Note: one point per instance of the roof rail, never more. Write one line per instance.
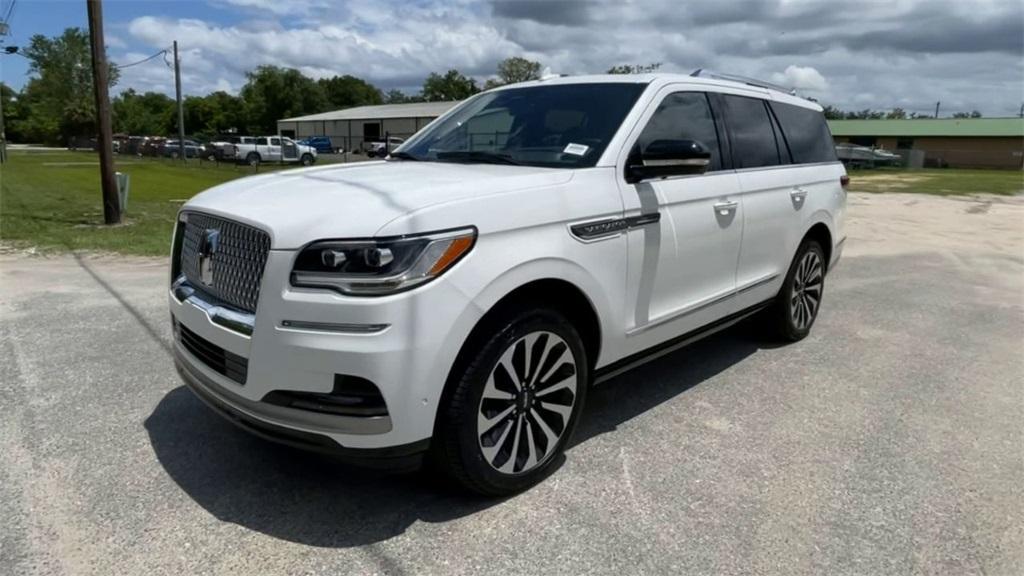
(702, 73)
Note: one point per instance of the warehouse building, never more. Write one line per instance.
(941, 142)
(352, 128)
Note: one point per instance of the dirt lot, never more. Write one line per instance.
(889, 441)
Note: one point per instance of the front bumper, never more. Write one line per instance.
(408, 361)
(261, 420)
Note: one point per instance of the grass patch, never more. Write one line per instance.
(944, 182)
(52, 200)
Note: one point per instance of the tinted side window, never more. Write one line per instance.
(684, 116)
(753, 141)
(806, 133)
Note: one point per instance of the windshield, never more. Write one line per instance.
(561, 126)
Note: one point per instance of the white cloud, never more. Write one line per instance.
(907, 54)
(801, 78)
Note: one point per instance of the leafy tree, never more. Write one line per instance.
(213, 114)
(896, 114)
(635, 68)
(514, 69)
(972, 114)
(272, 93)
(60, 97)
(452, 86)
(148, 114)
(12, 112)
(348, 91)
(833, 113)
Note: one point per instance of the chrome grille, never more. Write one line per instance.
(237, 264)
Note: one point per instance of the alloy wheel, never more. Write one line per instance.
(807, 286)
(527, 402)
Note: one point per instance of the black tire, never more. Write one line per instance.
(253, 159)
(370, 153)
(795, 309)
(306, 160)
(458, 447)
(175, 155)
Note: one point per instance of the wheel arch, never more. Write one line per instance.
(821, 233)
(566, 297)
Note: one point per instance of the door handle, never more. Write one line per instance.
(798, 194)
(725, 208)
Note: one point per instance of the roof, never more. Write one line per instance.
(413, 110)
(991, 127)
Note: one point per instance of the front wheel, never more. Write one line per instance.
(512, 412)
(307, 159)
(797, 304)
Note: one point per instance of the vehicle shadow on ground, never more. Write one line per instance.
(315, 500)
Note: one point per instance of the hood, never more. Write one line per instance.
(356, 200)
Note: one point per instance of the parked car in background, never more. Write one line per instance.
(322, 144)
(274, 149)
(382, 149)
(225, 149)
(864, 157)
(457, 301)
(172, 149)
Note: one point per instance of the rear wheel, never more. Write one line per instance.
(512, 411)
(253, 159)
(797, 304)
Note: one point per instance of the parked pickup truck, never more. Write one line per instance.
(274, 149)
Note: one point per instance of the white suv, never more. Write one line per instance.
(456, 300)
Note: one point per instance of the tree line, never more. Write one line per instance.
(833, 113)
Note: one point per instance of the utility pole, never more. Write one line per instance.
(3, 134)
(181, 108)
(937, 109)
(111, 204)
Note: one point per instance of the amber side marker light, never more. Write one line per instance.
(456, 249)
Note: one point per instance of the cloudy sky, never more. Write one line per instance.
(855, 54)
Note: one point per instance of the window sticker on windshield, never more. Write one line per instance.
(576, 149)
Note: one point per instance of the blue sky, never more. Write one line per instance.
(865, 54)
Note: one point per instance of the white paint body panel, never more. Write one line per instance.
(523, 215)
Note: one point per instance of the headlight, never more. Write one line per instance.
(376, 267)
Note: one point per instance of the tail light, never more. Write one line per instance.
(844, 181)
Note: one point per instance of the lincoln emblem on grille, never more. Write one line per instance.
(208, 245)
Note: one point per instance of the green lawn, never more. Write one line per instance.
(944, 182)
(52, 200)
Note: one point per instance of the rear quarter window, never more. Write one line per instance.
(806, 133)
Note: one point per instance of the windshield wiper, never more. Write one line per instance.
(477, 156)
(404, 156)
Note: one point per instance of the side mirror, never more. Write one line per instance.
(664, 158)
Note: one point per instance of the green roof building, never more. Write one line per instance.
(940, 142)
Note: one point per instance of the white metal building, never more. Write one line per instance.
(351, 127)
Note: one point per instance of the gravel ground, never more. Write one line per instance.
(889, 441)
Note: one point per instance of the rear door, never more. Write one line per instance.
(771, 195)
(785, 201)
(683, 265)
(274, 149)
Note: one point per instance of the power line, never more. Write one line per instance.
(10, 10)
(144, 60)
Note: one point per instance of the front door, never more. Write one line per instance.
(289, 151)
(683, 267)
